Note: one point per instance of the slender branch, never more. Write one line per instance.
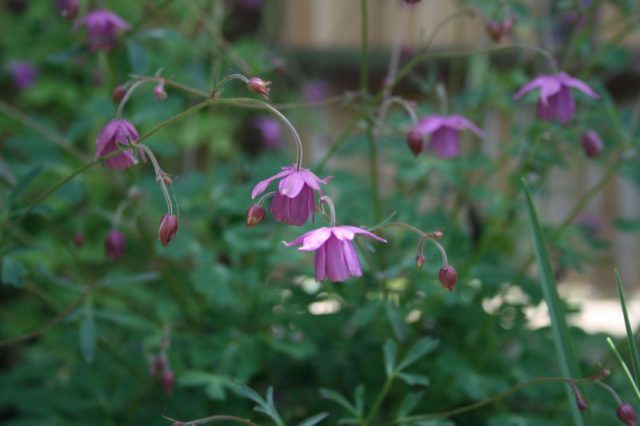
(212, 419)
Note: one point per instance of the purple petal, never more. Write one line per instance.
(343, 233)
(364, 232)
(336, 265)
(351, 258)
(445, 142)
(315, 239)
(549, 88)
(263, 184)
(293, 211)
(320, 261)
(567, 80)
(299, 240)
(312, 180)
(459, 122)
(548, 111)
(121, 161)
(532, 85)
(430, 124)
(566, 105)
(291, 185)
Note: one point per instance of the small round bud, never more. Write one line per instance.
(68, 9)
(159, 365)
(168, 379)
(255, 214)
(159, 92)
(580, 401)
(78, 239)
(118, 93)
(626, 414)
(591, 143)
(436, 235)
(114, 244)
(259, 86)
(495, 30)
(167, 229)
(415, 141)
(448, 277)
(420, 261)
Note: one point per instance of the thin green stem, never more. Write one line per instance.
(625, 369)
(379, 399)
(332, 209)
(211, 419)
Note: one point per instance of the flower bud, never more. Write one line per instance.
(159, 365)
(580, 401)
(591, 143)
(448, 277)
(420, 261)
(159, 92)
(167, 229)
(436, 234)
(494, 29)
(115, 244)
(168, 379)
(259, 86)
(78, 239)
(626, 414)
(255, 214)
(68, 9)
(118, 93)
(415, 140)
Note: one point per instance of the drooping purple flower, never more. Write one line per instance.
(556, 101)
(114, 133)
(336, 258)
(271, 131)
(23, 74)
(315, 91)
(445, 133)
(102, 27)
(115, 244)
(294, 201)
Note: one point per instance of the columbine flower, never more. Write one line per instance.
(271, 132)
(23, 73)
(294, 200)
(116, 132)
(114, 244)
(556, 101)
(102, 27)
(445, 133)
(336, 258)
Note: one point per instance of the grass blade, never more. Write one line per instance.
(625, 369)
(633, 349)
(564, 345)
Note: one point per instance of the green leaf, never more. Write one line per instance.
(358, 398)
(633, 348)
(314, 420)
(413, 379)
(419, 349)
(408, 404)
(12, 271)
(340, 400)
(563, 342)
(88, 335)
(390, 352)
(266, 407)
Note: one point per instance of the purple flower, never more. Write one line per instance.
(445, 133)
(68, 9)
(336, 258)
(591, 143)
(556, 101)
(23, 73)
(102, 29)
(116, 132)
(115, 244)
(271, 132)
(294, 200)
(315, 91)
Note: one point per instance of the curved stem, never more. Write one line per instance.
(217, 90)
(431, 236)
(265, 197)
(212, 419)
(129, 92)
(160, 176)
(332, 210)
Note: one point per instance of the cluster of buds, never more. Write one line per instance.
(447, 274)
(498, 30)
(160, 369)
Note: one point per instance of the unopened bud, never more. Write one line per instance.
(448, 277)
(168, 379)
(580, 401)
(159, 92)
(118, 93)
(78, 239)
(68, 9)
(167, 229)
(436, 235)
(420, 261)
(415, 141)
(591, 143)
(259, 86)
(114, 244)
(626, 414)
(159, 365)
(494, 29)
(255, 214)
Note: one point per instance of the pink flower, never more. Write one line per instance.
(556, 101)
(336, 258)
(445, 133)
(23, 74)
(102, 27)
(116, 132)
(294, 200)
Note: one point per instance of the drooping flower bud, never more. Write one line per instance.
(259, 86)
(255, 214)
(167, 229)
(159, 92)
(494, 29)
(448, 277)
(78, 239)
(591, 143)
(115, 244)
(415, 141)
(68, 9)
(168, 379)
(159, 365)
(580, 401)
(420, 261)
(118, 93)
(626, 414)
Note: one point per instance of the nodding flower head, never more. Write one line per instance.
(626, 414)
(68, 9)
(116, 132)
(23, 74)
(336, 258)
(118, 93)
(445, 133)
(415, 141)
(556, 101)
(102, 28)
(115, 243)
(294, 201)
(448, 277)
(259, 86)
(591, 143)
(167, 229)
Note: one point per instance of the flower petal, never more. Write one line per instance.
(336, 265)
(445, 142)
(121, 161)
(297, 241)
(547, 111)
(263, 184)
(362, 231)
(320, 261)
(315, 239)
(430, 124)
(291, 185)
(292, 211)
(566, 105)
(459, 122)
(536, 83)
(551, 86)
(343, 233)
(351, 258)
(580, 85)
(312, 180)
